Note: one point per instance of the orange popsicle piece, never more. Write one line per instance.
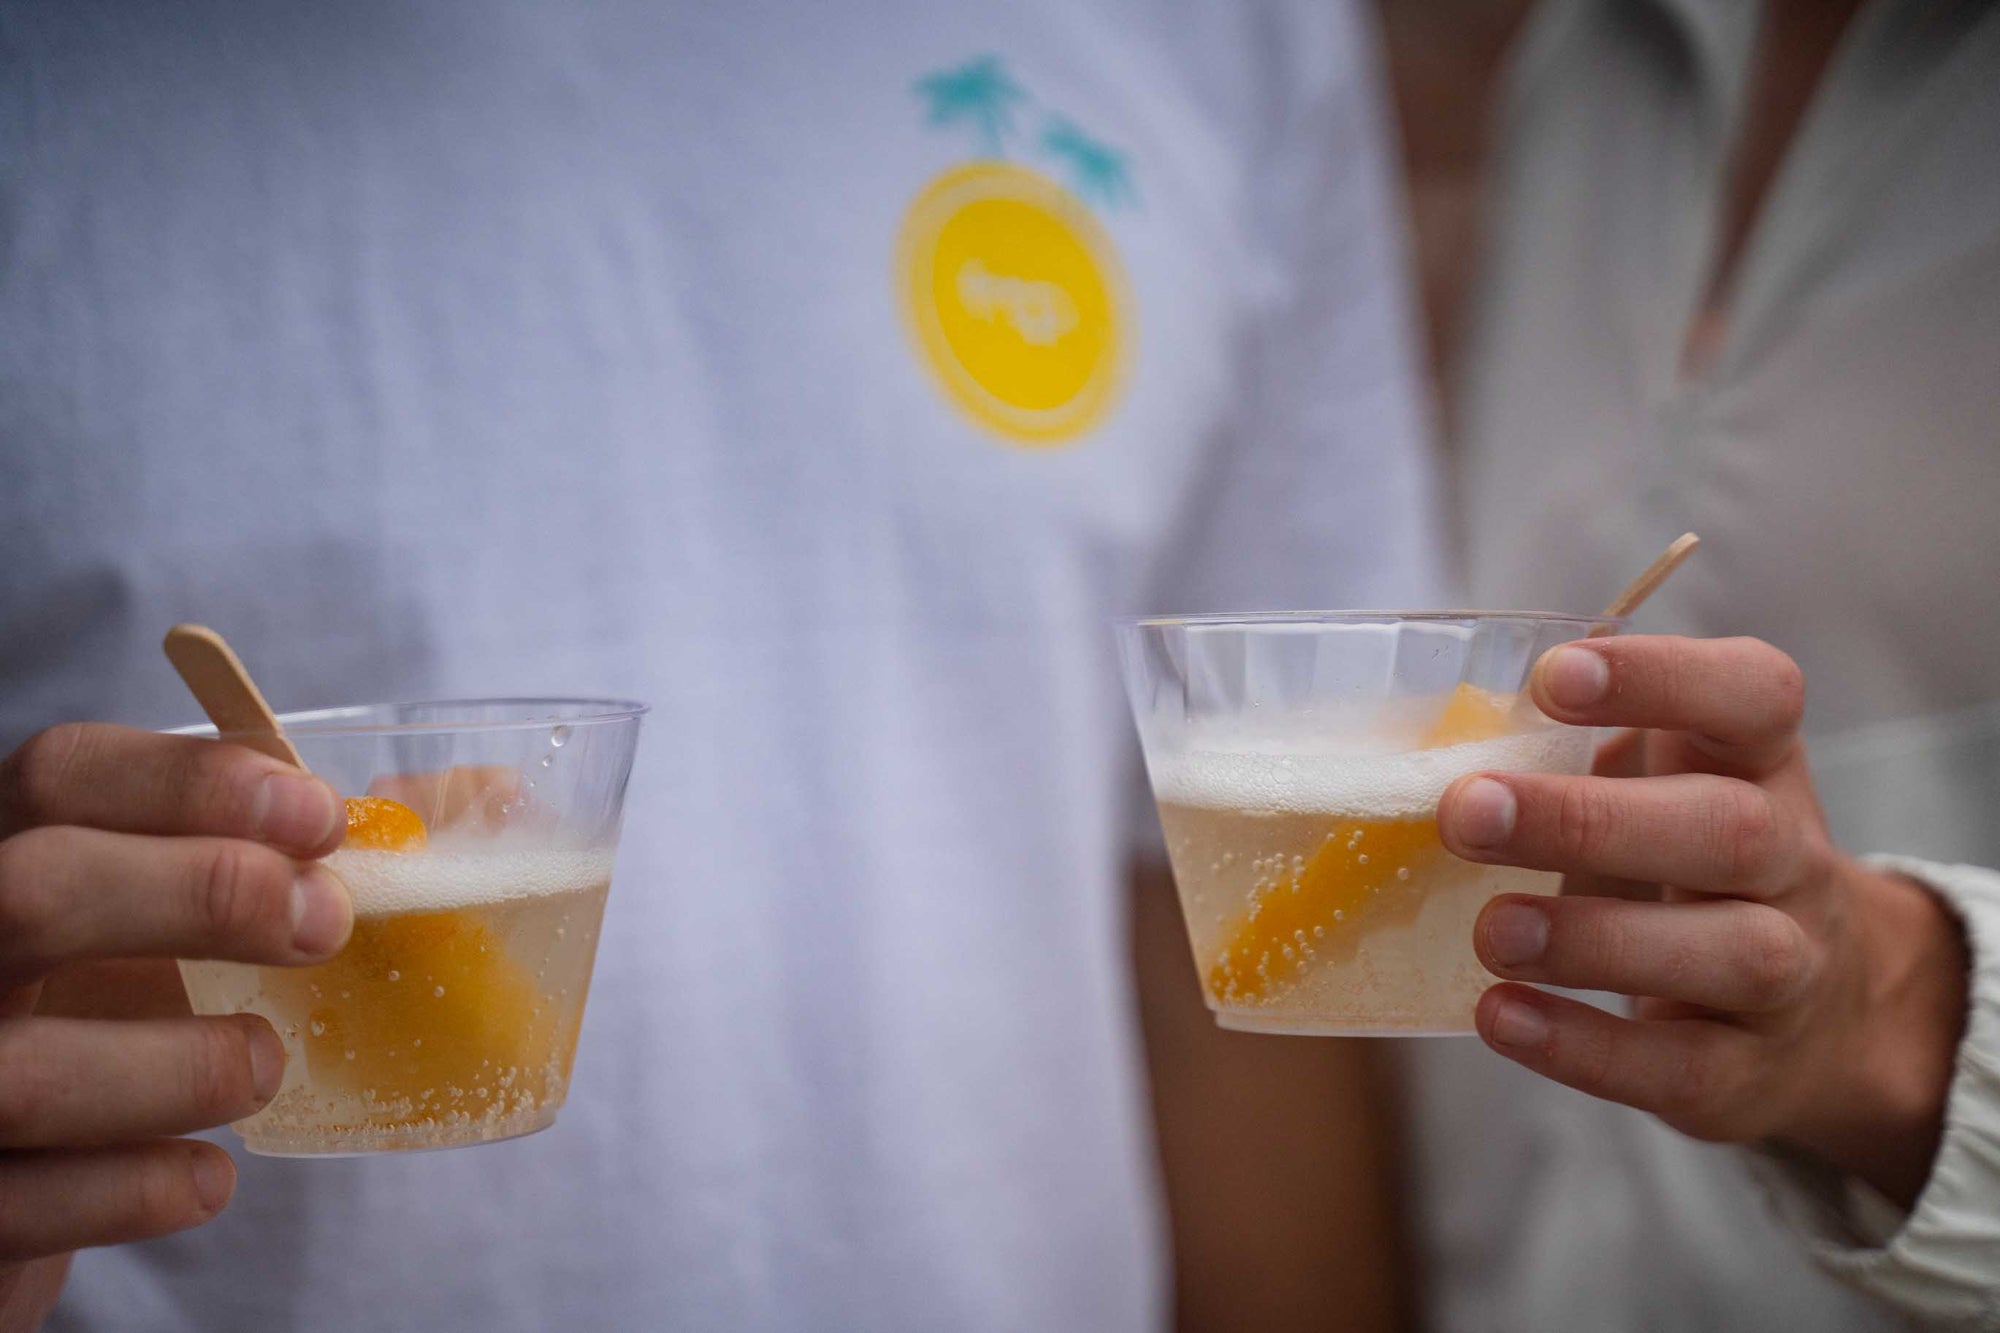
(383, 825)
(426, 1010)
(1362, 870)
(1472, 714)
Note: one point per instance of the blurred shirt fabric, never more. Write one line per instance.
(430, 349)
(1839, 459)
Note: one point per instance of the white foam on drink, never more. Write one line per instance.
(1372, 786)
(435, 879)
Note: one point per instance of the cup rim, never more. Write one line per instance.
(544, 711)
(1255, 619)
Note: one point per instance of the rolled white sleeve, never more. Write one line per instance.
(1940, 1263)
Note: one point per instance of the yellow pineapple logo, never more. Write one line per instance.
(1012, 292)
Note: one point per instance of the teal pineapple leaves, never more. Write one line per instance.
(979, 93)
(982, 95)
(1096, 170)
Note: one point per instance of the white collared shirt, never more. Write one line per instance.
(1840, 458)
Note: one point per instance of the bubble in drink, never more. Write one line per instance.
(1391, 926)
(387, 1065)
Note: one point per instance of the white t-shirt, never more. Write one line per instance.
(429, 349)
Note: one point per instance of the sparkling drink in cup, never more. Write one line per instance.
(478, 855)
(1297, 760)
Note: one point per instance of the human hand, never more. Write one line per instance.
(1784, 991)
(121, 844)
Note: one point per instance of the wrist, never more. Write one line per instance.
(1881, 1113)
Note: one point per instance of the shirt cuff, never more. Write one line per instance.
(1941, 1261)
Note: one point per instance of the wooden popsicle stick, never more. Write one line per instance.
(1639, 589)
(215, 675)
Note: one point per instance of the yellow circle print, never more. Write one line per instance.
(1016, 301)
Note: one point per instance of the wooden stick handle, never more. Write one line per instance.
(1639, 589)
(215, 675)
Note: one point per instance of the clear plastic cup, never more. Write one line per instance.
(451, 1016)
(1297, 759)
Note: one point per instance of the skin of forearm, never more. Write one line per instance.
(1280, 1156)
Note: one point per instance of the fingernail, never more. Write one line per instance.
(1516, 933)
(1517, 1023)
(1575, 677)
(267, 1061)
(321, 914)
(1483, 814)
(214, 1178)
(296, 810)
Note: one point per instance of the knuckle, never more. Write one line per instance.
(1688, 1099)
(1713, 1096)
(1680, 675)
(1818, 858)
(1583, 819)
(31, 888)
(219, 1082)
(219, 779)
(239, 893)
(1775, 963)
(1593, 1064)
(37, 774)
(162, 1195)
(1748, 833)
(27, 1084)
(1680, 963)
(1589, 942)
